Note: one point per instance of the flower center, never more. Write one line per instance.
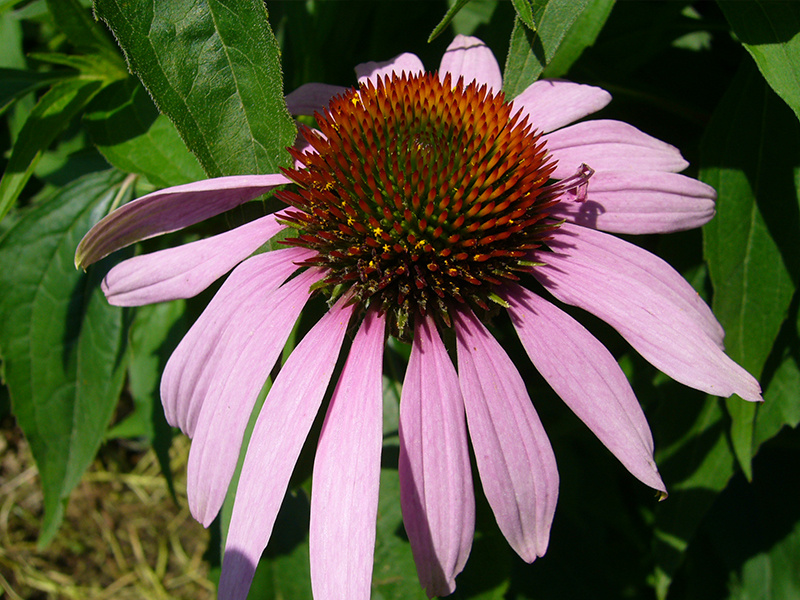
(420, 194)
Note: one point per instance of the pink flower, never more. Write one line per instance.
(422, 202)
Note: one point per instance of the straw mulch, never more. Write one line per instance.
(123, 536)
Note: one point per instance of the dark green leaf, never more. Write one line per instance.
(81, 29)
(95, 66)
(18, 82)
(213, 68)
(473, 15)
(451, 12)
(127, 129)
(62, 344)
(580, 36)
(769, 30)
(525, 13)
(50, 116)
(530, 52)
(754, 528)
(782, 397)
(701, 461)
(749, 152)
(395, 574)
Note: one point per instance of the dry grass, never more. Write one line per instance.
(123, 536)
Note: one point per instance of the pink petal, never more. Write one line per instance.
(278, 436)
(435, 478)
(247, 293)
(639, 202)
(585, 375)
(550, 104)
(405, 63)
(187, 270)
(515, 461)
(169, 210)
(312, 97)
(244, 357)
(470, 58)
(648, 302)
(344, 499)
(610, 146)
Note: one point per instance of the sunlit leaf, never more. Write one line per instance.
(213, 68)
(580, 36)
(62, 344)
(770, 30)
(49, 118)
(451, 12)
(127, 129)
(530, 52)
(749, 152)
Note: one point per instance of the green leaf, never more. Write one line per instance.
(749, 152)
(530, 52)
(701, 461)
(18, 82)
(473, 15)
(782, 397)
(395, 575)
(754, 528)
(580, 36)
(154, 333)
(126, 127)
(62, 344)
(770, 31)
(448, 16)
(213, 67)
(50, 116)
(525, 13)
(81, 29)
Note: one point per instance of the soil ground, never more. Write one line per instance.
(123, 536)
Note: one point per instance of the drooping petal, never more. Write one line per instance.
(249, 292)
(344, 498)
(404, 63)
(585, 375)
(278, 436)
(470, 58)
(169, 210)
(187, 270)
(550, 104)
(244, 358)
(515, 461)
(648, 303)
(610, 146)
(640, 202)
(311, 97)
(435, 479)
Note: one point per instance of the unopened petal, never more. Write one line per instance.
(470, 58)
(312, 97)
(170, 209)
(195, 362)
(404, 63)
(244, 357)
(648, 303)
(550, 104)
(187, 270)
(640, 202)
(435, 481)
(515, 461)
(610, 146)
(585, 375)
(278, 436)
(344, 498)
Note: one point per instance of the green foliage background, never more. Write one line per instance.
(187, 89)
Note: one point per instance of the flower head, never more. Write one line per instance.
(421, 205)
